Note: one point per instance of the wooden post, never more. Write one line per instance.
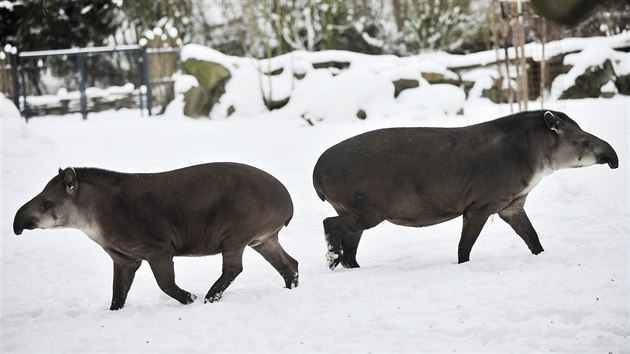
(505, 33)
(521, 35)
(495, 36)
(515, 45)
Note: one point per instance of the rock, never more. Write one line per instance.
(623, 84)
(361, 114)
(209, 74)
(341, 65)
(275, 72)
(438, 78)
(212, 78)
(230, 110)
(589, 84)
(276, 104)
(197, 102)
(403, 84)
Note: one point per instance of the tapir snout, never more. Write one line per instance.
(608, 155)
(25, 218)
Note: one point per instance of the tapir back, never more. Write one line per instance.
(419, 176)
(200, 206)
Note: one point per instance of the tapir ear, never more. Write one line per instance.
(70, 180)
(552, 122)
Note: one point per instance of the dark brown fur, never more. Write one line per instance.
(424, 176)
(195, 211)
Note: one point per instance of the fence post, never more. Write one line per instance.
(137, 55)
(146, 78)
(81, 78)
(24, 93)
(14, 77)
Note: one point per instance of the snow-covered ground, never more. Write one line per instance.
(409, 295)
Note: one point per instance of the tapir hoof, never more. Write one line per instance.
(333, 258)
(293, 282)
(352, 263)
(212, 298)
(191, 298)
(537, 251)
(116, 306)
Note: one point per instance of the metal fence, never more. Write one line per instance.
(153, 69)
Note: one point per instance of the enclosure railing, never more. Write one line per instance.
(12, 69)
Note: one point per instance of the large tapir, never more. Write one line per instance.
(424, 176)
(200, 210)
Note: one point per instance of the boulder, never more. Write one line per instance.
(212, 78)
(590, 83)
(197, 102)
(403, 84)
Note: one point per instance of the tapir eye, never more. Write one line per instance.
(46, 205)
(586, 144)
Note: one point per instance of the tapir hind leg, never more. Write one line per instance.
(271, 250)
(350, 243)
(232, 267)
(343, 234)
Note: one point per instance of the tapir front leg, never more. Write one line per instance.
(232, 267)
(473, 223)
(162, 267)
(516, 217)
(124, 272)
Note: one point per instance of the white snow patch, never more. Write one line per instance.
(438, 98)
(183, 83)
(609, 87)
(6, 4)
(7, 108)
(592, 56)
(408, 294)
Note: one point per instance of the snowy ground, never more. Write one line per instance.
(409, 294)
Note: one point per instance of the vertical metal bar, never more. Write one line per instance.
(138, 57)
(15, 78)
(147, 78)
(543, 65)
(24, 93)
(81, 78)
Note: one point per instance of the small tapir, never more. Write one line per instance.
(194, 211)
(425, 176)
